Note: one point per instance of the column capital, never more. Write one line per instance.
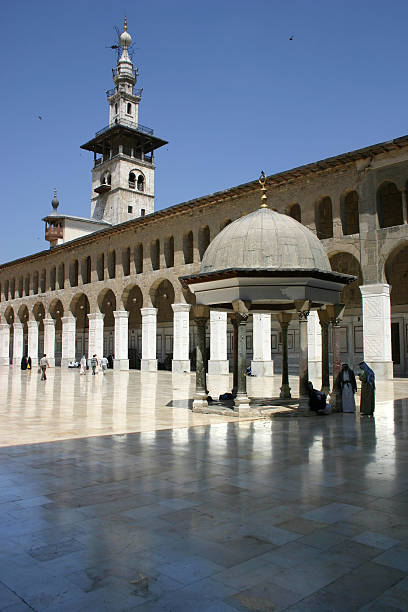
(181, 307)
(95, 316)
(68, 318)
(18, 325)
(323, 316)
(284, 318)
(335, 313)
(4, 326)
(302, 309)
(32, 324)
(375, 290)
(201, 312)
(49, 321)
(148, 311)
(121, 314)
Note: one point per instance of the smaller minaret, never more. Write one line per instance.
(53, 224)
(123, 172)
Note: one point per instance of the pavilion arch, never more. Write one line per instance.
(295, 212)
(346, 263)
(162, 297)
(389, 205)
(349, 213)
(324, 218)
(107, 305)
(204, 240)
(396, 274)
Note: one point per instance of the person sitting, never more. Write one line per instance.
(317, 399)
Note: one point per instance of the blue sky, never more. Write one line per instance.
(222, 83)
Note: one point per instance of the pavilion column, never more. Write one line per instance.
(241, 402)
(149, 331)
(201, 314)
(181, 338)
(314, 345)
(68, 340)
(302, 311)
(284, 320)
(235, 322)
(377, 329)
(324, 324)
(18, 342)
(218, 362)
(95, 334)
(33, 342)
(4, 344)
(335, 312)
(121, 358)
(262, 364)
(49, 340)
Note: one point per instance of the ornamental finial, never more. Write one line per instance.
(262, 181)
(125, 24)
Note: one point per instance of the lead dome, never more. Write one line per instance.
(265, 239)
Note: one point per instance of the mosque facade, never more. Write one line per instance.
(109, 283)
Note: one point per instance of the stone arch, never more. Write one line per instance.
(349, 213)
(224, 223)
(107, 304)
(126, 261)
(23, 316)
(73, 273)
(324, 218)
(56, 310)
(132, 299)
(9, 317)
(396, 274)
(39, 314)
(155, 254)
(295, 212)
(80, 308)
(12, 288)
(169, 251)
(346, 263)
(204, 239)
(112, 263)
(389, 205)
(138, 257)
(162, 295)
(188, 247)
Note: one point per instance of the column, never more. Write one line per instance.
(377, 329)
(95, 341)
(17, 343)
(4, 344)
(181, 338)
(200, 403)
(241, 402)
(68, 340)
(314, 345)
(49, 340)
(262, 364)
(234, 321)
(33, 342)
(335, 313)
(404, 205)
(121, 350)
(302, 311)
(324, 324)
(284, 319)
(218, 362)
(149, 330)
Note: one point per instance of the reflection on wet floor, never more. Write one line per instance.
(196, 512)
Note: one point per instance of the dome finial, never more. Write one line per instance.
(262, 181)
(125, 24)
(55, 201)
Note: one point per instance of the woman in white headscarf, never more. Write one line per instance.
(83, 365)
(348, 387)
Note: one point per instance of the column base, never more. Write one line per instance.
(383, 370)
(218, 366)
(304, 408)
(241, 405)
(148, 365)
(121, 364)
(179, 366)
(315, 370)
(200, 403)
(285, 392)
(262, 368)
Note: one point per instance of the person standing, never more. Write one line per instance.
(24, 362)
(367, 377)
(83, 365)
(94, 364)
(43, 366)
(29, 363)
(104, 364)
(347, 385)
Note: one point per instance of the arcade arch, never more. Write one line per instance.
(389, 205)
(346, 263)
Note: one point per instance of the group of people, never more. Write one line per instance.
(43, 364)
(346, 385)
(95, 363)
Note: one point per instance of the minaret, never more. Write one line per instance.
(123, 172)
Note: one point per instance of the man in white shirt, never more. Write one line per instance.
(104, 364)
(43, 366)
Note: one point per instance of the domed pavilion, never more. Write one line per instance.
(266, 262)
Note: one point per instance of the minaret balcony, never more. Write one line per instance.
(103, 188)
(53, 233)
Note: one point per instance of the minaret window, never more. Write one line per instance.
(140, 182)
(132, 180)
(129, 108)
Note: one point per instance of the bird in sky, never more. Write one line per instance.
(291, 37)
(40, 118)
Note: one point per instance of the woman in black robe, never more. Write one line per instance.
(24, 362)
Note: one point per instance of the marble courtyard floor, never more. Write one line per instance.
(114, 496)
